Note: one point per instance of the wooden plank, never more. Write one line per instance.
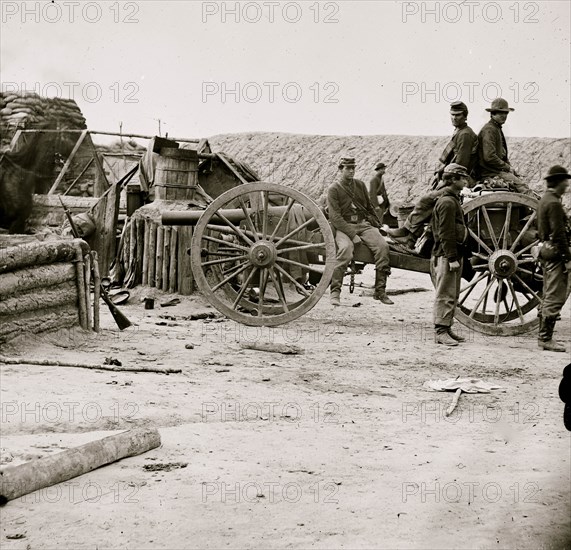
(145, 252)
(67, 163)
(184, 276)
(151, 250)
(159, 257)
(173, 261)
(166, 258)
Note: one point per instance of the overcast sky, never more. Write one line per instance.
(349, 67)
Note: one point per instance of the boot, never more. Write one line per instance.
(380, 288)
(335, 297)
(442, 336)
(399, 232)
(455, 336)
(545, 340)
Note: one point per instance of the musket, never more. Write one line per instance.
(120, 319)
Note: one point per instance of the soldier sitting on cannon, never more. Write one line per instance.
(351, 213)
(463, 150)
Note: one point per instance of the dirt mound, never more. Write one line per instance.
(308, 162)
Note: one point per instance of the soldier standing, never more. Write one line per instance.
(377, 189)
(349, 207)
(555, 255)
(449, 232)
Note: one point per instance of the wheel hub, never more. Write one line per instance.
(503, 263)
(262, 253)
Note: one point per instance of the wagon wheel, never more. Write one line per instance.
(254, 270)
(501, 297)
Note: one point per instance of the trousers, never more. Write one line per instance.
(447, 291)
(345, 247)
(556, 288)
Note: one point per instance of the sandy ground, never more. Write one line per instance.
(340, 447)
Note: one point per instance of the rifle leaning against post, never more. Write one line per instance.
(120, 319)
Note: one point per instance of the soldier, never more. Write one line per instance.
(377, 189)
(463, 150)
(493, 150)
(349, 207)
(554, 254)
(449, 232)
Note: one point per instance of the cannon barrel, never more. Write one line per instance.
(235, 215)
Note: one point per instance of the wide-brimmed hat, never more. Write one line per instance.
(458, 107)
(346, 161)
(380, 165)
(557, 172)
(500, 105)
(457, 169)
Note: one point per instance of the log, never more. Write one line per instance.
(39, 253)
(159, 255)
(151, 251)
(166, 258)
(53, 363)
(44, 276)
(185, 277)
(96, 291)
(37, 321)
(286, 349)
(145, 252)
(35, 299)
(87, 277)
(81, 297)
(173, 261)
(50, 470)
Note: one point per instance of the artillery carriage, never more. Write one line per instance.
(255, 247)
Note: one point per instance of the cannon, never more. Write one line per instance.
(263, 255)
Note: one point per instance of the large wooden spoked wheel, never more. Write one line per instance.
(501, 297)
(254, 269)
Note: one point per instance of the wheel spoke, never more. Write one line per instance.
(234, 268)
(480, 241)
(266, 196)
(244, 287)
(527, 286)
(528, 247)
(485, 305)
(223, 260)
(296, 283)
(230, 277)
(490, 228)
(516, 302)
(304, 266)
(481, 256)
(470, 289)
(301, 247)
(226, 243)
(248, 219)
(506, 228)
(282, 218)
(498, 301)
(522, 232)
(481, 299)
(472, 284)
(296, 230)
(263, 283)
(279, 289)
(526, 271)
(236, 230)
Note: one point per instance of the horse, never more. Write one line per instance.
(27, 171)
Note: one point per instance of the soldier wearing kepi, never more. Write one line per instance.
(463, 150)
(555, 255)
(493, 150)
(349, 207)
(449, 232)
(377, 189)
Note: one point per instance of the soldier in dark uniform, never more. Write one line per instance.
(463, 150)
(449, 232)
(349, 206)
(377, 189)
(555, 255)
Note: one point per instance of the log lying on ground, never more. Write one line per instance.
(38, 299)
(16, 481)
(286, 349)
(35, 322)
(42, 276)
(41, 253)
(53, 363)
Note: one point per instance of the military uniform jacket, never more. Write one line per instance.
(551, 222)
(492, 150)
(448, 226)
(376, 188)
(343, 214)
(462, 149)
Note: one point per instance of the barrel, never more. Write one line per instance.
(176, 175)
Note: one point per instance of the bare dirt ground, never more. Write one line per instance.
(340, 447)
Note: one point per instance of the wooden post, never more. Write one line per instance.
(159, 257)
(81, 300)
(140, 249)
(151, 250)
(185, 278)
(173, 261)
(87, 276)
(145, 251)
(50, 470)
(166, 258)
(96, 291)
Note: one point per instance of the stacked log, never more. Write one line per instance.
(44, 287)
